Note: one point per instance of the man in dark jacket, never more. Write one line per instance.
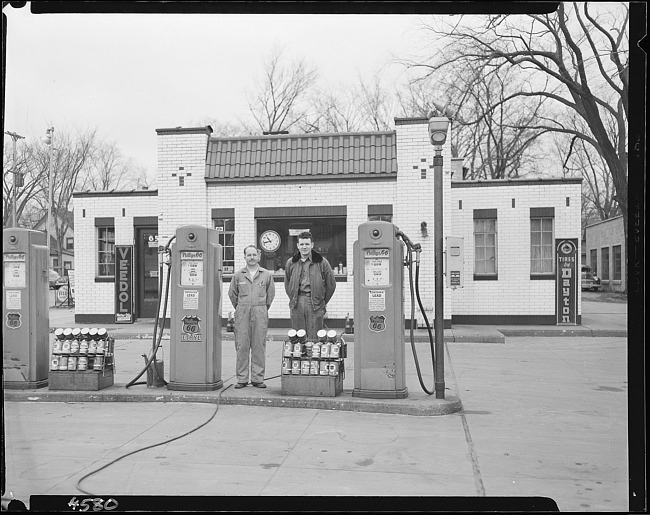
(310, 284)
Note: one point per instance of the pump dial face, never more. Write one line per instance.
(270, 241)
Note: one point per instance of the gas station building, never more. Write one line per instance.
(282, 184)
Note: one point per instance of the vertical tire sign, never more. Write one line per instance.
(124, 284)
(566, 281)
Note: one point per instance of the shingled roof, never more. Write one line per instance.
(302, 157)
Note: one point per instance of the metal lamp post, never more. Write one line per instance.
(14, 137)
(49, 140)
(438, 135)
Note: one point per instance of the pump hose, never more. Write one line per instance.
(415, 354)
(156, 345)
(410, 249)
(426, 320)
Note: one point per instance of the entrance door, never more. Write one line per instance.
(146, 272)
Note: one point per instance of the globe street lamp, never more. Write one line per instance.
(438, 127)
(14, 137)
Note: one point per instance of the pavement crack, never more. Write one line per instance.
(476, 470)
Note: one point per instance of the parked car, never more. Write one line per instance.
(590, 281)
(54, 277)
(61, 281)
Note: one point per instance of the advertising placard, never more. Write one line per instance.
(124, 284)
(566, 281)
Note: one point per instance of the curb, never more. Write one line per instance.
(344, 402)
(586, 332)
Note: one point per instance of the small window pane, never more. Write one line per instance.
(541, 245)
(485, 242)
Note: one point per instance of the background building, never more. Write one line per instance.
(329, 184)
(605, 252)
(64, 260)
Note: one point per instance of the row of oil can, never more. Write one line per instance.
(310, 367)
(81, 349)
(77, 363)
(328, 345)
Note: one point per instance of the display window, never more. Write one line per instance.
(226, 229)
(277, 239)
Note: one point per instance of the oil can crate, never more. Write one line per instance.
(88, 380)
(97, 373)
(304, 374)
(312, 386)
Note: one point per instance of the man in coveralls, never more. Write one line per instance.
(310, 284)
(251, 293)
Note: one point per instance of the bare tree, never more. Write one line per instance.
(364, 106)
(498, 140)
(333, 111)
(72, 155)
(277, 101)
(576, 57)
(224, 128)
(33, 177)
(377, 104)
(597, 188)
(107, 169)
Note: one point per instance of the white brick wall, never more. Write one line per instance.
(99, 297)
(415, 205)
(245, 198)
(181, 155)
(514, 293)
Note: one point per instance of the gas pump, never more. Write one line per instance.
(195, 310)
(379, 369)
(25, 290)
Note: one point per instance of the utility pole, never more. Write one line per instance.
(49, 140)
(14, 137)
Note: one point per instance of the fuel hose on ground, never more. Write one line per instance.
(151, 446)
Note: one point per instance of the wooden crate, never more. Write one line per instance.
(313, 386)
(87, 380)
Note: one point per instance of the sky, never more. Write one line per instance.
(130, 74)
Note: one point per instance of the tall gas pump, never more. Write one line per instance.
(379, 368)
(25, 315)
(195, 328)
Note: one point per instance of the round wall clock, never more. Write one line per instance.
(270, 241)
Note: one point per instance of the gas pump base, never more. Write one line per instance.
(381, 394)
(24, 385)
(194, 387)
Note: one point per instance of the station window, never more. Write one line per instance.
(69, 243)
(329, 237)
(616, 256)
(541, 245)
(106, 251)
(485, 246)
(604, 262)
(593, 261)
(380, 218)
(380, 213)
(226, 229)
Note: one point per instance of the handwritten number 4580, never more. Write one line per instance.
(98, 504)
